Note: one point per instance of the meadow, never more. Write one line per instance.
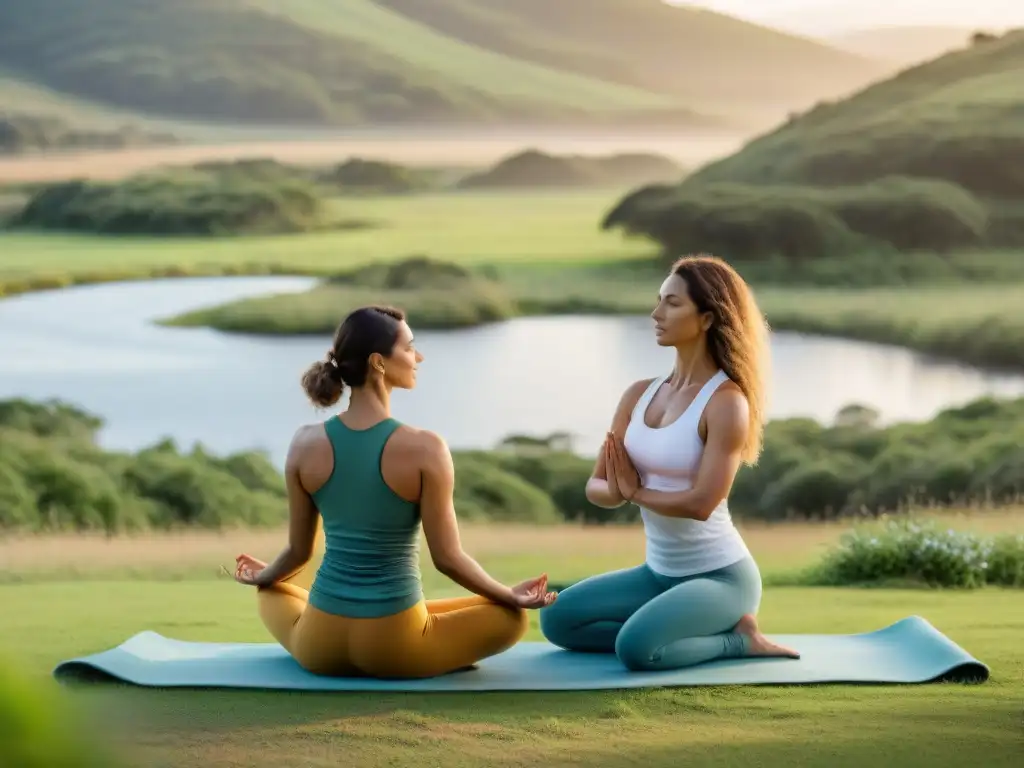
(79, 594)
(548, 254)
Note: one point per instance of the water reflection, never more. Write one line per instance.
(96, 346)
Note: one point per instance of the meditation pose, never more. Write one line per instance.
(675, 445)
(366, 483)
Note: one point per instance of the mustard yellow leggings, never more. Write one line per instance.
(432, 638)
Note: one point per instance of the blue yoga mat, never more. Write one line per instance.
(909, 651)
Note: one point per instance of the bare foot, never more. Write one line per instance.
(758, 644)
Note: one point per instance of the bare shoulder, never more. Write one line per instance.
(634, 392)
(309, 449)
(624, 410)
(728, 409)
(306, 437)
(428, 449)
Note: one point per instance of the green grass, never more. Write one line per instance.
(298, 63)
(981, 324)
(954, 118)
(468, 65)
(732, 66)
(474, 229)
(50, 618)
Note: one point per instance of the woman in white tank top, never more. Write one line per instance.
(675, 446)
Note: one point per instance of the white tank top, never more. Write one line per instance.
(667, 460)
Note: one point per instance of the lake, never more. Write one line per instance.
(97, 347)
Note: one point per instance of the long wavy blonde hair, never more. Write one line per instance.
(738, 339)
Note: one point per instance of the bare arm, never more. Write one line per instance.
(302, 517)
(437, 511)
(727, 424)
(599, 491)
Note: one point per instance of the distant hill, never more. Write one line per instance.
(25, 132)
(903, 46)
(536, 169)
(958, 117)
(719, 63)
(922, 161)
(440, 62)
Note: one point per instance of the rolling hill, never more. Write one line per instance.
(924, 160)
(903, 46)
(958, 117)
(440, 62)
(721, 63)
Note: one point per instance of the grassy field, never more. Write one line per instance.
(549, 253)
(79, 595)
(471, 229)
(472, 66)
(982, 324)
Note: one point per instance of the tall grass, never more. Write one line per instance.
(977, 324)
(566, 552)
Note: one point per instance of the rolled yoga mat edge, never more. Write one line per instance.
(910, 651)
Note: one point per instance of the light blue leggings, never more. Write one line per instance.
(655, 622)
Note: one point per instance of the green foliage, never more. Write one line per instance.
(301, 62)
(757, 223)
(914, 163)
(21, 132)
(237, 199)
(968, 455)
(53, 477)
(375, 177)
(433, 294)
(920, 551)
(39, 729)
(956, 118)
(535, 169)
(981, 324)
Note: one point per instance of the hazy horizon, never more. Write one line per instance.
(829, 17)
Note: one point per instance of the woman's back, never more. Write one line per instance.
(371, 563)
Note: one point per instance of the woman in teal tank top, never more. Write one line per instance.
(360, 487)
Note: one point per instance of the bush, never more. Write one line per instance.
(374, 177)
(433, 294)
(914, 551)
(757, 223)
(54, 477)
(184, 202)
(484, 491)
(533, 169)
(965, 456)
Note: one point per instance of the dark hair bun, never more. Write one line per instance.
(323, 383)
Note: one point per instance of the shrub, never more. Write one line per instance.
(912, 214)
(756, 223)
(910, 550)
(186, 202)
(434, 294)
(485, 491)
(374, 176)
(534, 168)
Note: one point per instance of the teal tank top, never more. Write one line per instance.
(371, 562)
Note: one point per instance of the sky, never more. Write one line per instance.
(829, 16)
